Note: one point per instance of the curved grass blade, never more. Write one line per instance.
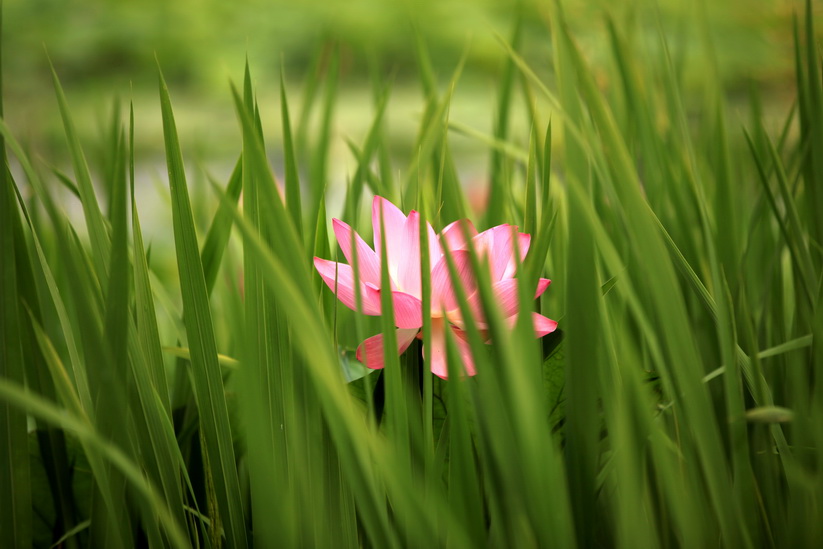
(21, 398)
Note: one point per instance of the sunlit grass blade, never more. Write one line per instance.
(107, 489)
(465, 498)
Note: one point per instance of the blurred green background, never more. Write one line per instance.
(106, 49)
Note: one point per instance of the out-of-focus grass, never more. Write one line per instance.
(104, 48)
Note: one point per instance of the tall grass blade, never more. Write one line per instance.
(206, 375)
(95, 223)
(15, 475)
(37, 406)
(293, 200)
(499, 193)
(220, 230)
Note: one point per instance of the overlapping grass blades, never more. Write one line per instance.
(218, 452)
(15, 474)
(686, 259)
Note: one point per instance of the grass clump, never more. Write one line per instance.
(222, 405)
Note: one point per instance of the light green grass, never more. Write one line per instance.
(214, 400)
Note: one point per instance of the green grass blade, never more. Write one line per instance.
(320, 155)
(499, 193)
(293, 201)
(669, 304)
(264, 405)
(51, 442)
(15, 476)
(353, 442)
(220, 230)
(95, 223)
(373, 139)
(15, 480)
(37, 406)
(208, 382)
(149, 372)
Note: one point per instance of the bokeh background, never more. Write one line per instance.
(106, 49)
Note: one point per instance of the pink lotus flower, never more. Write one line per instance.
(497, 244)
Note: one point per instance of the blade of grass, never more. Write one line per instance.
(666, 297)
(95, 223)
(293, 201)
(35, 405)
(498, 186)
(206, 374)
(148, 369)
(264, 403)
(218, 236)
(15, 475)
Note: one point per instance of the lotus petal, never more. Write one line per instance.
(454, 234)
(439, 362)
(368, 261)
(443, 295)
(370, 352)
(340, 279)
(395, 225)
(408, 310)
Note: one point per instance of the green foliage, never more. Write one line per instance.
(678, 405)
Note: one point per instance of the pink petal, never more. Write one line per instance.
(408, 311)
(443, 296)
(476, 308)
(542, 325)
(438, 364)
(462, 340)
(439, 361)
(495, 245)
(542, 284)
(453, 234)
(368, 262)
(505, 292)
(507, 299)
(345, 286)
(373, 348)
(407, 256)
(523, 243)
(395, 224)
